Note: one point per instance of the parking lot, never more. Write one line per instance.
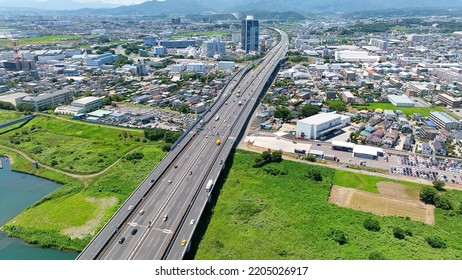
(429, 168)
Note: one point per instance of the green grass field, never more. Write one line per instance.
(43, 40)
(406, 110)
(261, 216)
(199, 33)
(9, 115)
(363, 181)
(76, 147)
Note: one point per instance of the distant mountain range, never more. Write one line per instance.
(213, 6)
(51, 5)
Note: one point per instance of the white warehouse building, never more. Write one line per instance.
(320, 125)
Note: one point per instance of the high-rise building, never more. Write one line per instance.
(214, 46)
(249, 35)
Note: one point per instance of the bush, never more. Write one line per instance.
(310, 158)
(376, 256)
(135, 156)
(439, 185)
(54, 163)
(371, 224)
(443, 202)
(428, 194)
(338, 236)
(275, 171)
(314, 175)
(37, 150)
(436, 242)
(401, 233)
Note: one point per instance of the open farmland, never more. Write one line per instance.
(381, 205)
(261, 216)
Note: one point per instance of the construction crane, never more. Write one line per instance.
(17, 54)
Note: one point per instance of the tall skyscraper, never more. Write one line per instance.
(250, 33)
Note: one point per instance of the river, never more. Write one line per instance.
(17, 192)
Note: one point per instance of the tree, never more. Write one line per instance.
(283, 113)
(371, 224)
(309, 110)
(439, 185)
(443, 202)
(339, 107)
(428, 194)
(436, 242)
(184, 109)
(25, 107)
(7, 106)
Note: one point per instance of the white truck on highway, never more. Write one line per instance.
(209, 185)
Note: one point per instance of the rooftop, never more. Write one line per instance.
(443, 117)
(320, 119)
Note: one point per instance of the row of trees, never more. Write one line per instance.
(268, 157)
(162, 134)
(305, 111)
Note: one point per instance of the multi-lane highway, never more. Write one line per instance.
(159, 218)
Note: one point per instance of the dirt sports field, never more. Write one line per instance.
(392, 200)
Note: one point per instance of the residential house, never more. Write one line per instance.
(391, 138)
(407, 146)
(439, 147)
(426, 148)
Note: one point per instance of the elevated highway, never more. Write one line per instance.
(158, 220)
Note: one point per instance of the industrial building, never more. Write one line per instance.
(400, 101)
(47, 100)
(250, 34)
(226, 65)
(98, 60)
(443, 120)
(195, 67)
(180, 44)
(150, 41)
(449, 100)
(88, 104)
(19, 65)
(355, 56)
(367, 152)
(320, 126)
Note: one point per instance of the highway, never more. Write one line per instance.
(159, 218)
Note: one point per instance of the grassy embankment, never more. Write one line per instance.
(6, 115)
(68, 217)
(261, 216)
